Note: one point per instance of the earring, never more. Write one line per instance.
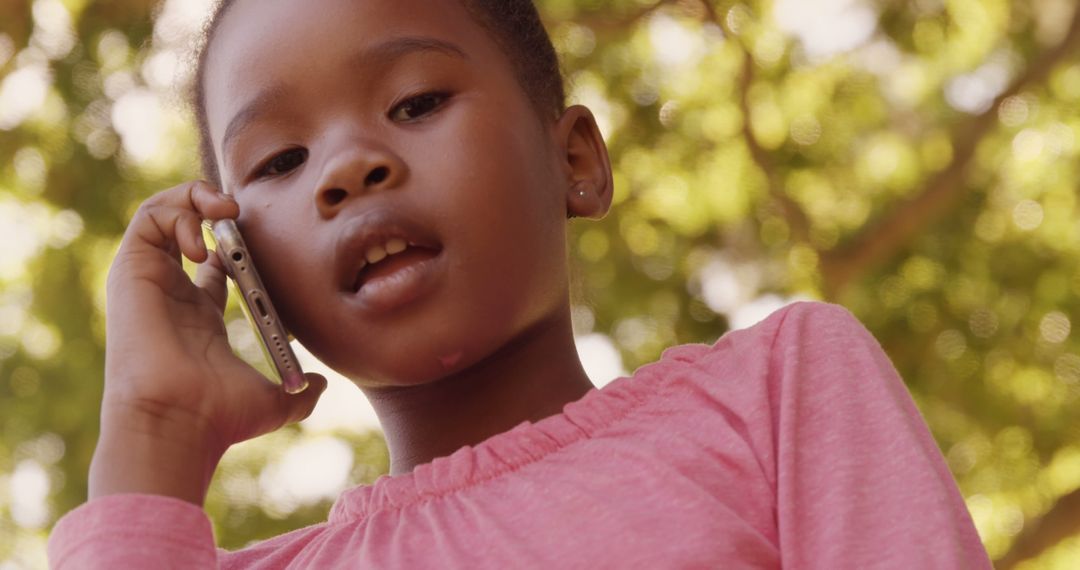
(581, 194)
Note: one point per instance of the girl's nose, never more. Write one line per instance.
(360, 169)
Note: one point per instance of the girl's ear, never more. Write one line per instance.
(584, 160)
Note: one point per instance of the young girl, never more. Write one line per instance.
(403, 171)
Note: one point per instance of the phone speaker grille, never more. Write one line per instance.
(282, 353)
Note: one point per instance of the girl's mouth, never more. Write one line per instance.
(386, 259)
(398, 280)
(374, 273)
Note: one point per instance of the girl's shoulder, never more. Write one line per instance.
(804, 327)
(808, 371)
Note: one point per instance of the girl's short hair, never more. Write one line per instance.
(515, 25)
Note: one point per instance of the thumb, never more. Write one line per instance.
(292, 408)
(272, 407)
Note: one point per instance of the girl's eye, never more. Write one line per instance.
(283, 163)
(416, 107)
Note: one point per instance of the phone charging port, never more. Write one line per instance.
(260, 308)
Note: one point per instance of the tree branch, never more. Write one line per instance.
(1060, 522)
(878, 242)
(792, 213)
(604, 23)
(17, 24)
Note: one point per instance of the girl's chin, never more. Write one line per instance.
(419, 371)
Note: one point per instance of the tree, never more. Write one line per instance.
(913, 161)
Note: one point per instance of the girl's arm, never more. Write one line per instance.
(861, 482)
(176, 397)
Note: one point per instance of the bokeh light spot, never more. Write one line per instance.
(1055, 327)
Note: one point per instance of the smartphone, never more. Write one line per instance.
(255, 302)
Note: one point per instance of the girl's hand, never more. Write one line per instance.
(176, 397)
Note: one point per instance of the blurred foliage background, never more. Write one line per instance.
(915, 161)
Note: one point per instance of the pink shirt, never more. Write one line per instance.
(790, 444)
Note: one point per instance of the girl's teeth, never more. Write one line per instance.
(375, 254)
(396, 245)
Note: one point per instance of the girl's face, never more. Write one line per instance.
(339, 125)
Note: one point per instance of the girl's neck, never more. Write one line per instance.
(529, 379)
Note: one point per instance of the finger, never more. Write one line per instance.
(170, 220)
(208, 201)
(189, 235)
(175, 230)
(210, 277)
